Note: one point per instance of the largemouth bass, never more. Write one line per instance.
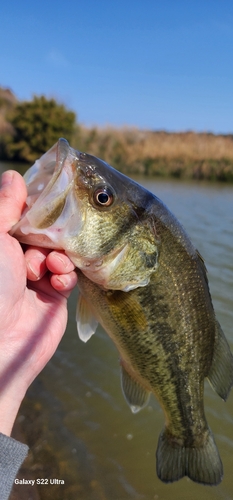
(140, 277)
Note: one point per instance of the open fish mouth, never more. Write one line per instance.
(52, 210)
(77, 203)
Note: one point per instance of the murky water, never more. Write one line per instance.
(75, 419)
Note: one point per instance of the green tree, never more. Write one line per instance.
(38, 124)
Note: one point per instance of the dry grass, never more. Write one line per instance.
(185, 154)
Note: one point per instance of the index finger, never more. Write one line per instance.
(35, 259)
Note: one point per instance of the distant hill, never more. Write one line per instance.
(6, 95)
(7, 101)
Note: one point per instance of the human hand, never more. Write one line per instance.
(33, 303)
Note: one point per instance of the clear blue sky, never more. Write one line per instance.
(154, 64)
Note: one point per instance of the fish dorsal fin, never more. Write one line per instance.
(136, 396)
(86, 322)
(220, 375)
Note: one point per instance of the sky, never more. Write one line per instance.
(152, 64)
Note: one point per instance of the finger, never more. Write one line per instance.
(35, 259)
(44, 287)
(64, 283)
(13, 194)
(59, 263)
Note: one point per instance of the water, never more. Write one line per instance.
(74, 417)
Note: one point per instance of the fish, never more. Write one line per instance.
(142, 279)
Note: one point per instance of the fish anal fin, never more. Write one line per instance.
(202, 464)
(135, 394)
(86, 322)
(220, 374)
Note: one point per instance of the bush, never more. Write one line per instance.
(38, 124)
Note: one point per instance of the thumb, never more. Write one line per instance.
(13, 194)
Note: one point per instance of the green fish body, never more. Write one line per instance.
(140, 277)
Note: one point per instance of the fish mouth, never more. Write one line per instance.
(52, 210)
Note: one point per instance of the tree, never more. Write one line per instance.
(38, 124)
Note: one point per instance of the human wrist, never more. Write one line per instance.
(10, 402)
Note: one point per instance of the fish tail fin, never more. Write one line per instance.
(201, 464)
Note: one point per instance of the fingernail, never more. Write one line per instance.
(62, 281)
(33, 271)
(36, 266)
(6, 178)
(63, 261)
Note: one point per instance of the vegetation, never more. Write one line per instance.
(186, 155)
(37, 125)
(29, 129)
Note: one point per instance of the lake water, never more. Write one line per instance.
(75, 419)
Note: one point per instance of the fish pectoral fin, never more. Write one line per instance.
(220, 375)
(136, 396)
(86, 322)
(202, 464)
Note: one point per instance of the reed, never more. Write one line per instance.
(183, 154)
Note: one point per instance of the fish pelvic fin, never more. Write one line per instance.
(136, 396)
(202, 464)
(86, 322)
(220, 375)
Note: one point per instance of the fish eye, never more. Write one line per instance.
(103, 196)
